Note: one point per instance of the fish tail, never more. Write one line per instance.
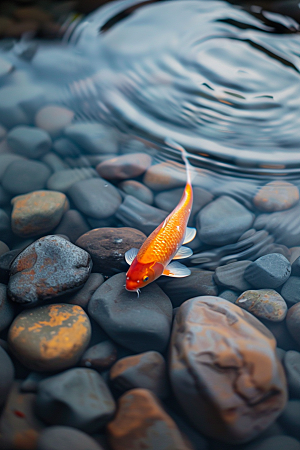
(171, 143)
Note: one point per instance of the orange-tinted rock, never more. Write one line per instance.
(142, 424)
(124, 167)
(224, 370)
(263, 303)
(166, 175)
(276, 196)
(51, 337)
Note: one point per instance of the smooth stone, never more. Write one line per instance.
(65, 438)
(50, 338)
(5, 197)
(275, 443)
(7, 309)
(3, 248)
(291, 364)
(241, 191)
(5, 67)
(142, 423)
(268, 271)
(37, 213)
(5, 227)
(210, 376)
(290, 419)
(54, 162)
(165, 175)
(73, 225)
(66, 148)
(280, 352)
(296, 266)
(223, 221)
(137, 190)
(5, 160)
(7, 373)
(78, 397)
(281, 333)
(146, 370)
(53, 119)
(95, 197)
(30, 142)
(93, 137)
(264, 303)
(290, 291)
(138, 325)
(295, 253)
(199, 282)
(229, 295)
(61, 181)
(107, 247)
(3, 132)
(293, 322)
(83, 296)
(100, 356)
(133, 146)
(5, 262)
(31, 382)
(276, 196)
(232, 276)
(24, 176)
(124, 167)
(136, 214)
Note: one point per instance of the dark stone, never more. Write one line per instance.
(291, 363)
(65, 147)
(275, 443)
(5, 197)
(77, 397)
(107, 247)
(7, 309)
(83, 296)
(3, 248)
(6, 159)
(30, 142)
(93, 137)
(229, 295)
(241, 191)
(73, 225)
(280, 353)
(280, 332)
(232, 276)
(49, 267)
(54, 162)
(290, 291)
(50, 338)
(124, 167)
(31, 382)
(5, 262)
(100, 356)
(140, 324)
(276, 196)
(296, 267)
(23, 176)
(65, 438)
(290, 419)
(7, 373)
(5, 227)
(293, 322)
(62, 180)
(268, 271)
(137, 190)
(263, 303)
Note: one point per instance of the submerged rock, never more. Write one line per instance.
(264, 303)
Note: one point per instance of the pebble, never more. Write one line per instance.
(30, 142)
(53, 119)
(295, 253)
(293, 322)
(5, 228)
(83, 296)
(51, 337)
(100, 356)
(5, 197)
(49, 267)
(241, 191)
(107, 247)
(141, 423)
(214, 387)
(5, 67)
(165, 175)
(95, 197)
(264, 303)
(5, 263)
(7, 309)
(7, 373)
(25, 176)
(61, 181)
(146, 370)
(73, 225)
(140, 324)
(5, 160)
(92, 137)
(137, 190)
(275, 443)
(31, 382)
(291, 363)
(65, 438)
(37, 213)
(229, 295)
(290, 418)
(223, 221)
(66, 148)
(276, 196)
(124, 167)
(3, 248)
(290, 291)
(232, 276)
(54, 162)
(268, 271)
(77, 397)
(296, 267)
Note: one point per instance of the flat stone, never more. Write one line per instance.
(241, 191)
(64, 179)
(93, 137)
(232, 276)
(264, 303)
(137, 190)
(78, 397)
(268, 271)
(214, 388)
(30, 142)
(7, 373)
(290, 291)
(141, 423)
(124, 167)
(291, 363)
(165, 175)
(293, 321)
(223, 221)
(95, 197)
(107, 247)
(25, 176)
(100, 356)
(54, 119)
(276, 196)
(51, 337)
(73, 225)
(7, 309)
(37, 213)
(140, 326)
(47, 268)
(62, 438)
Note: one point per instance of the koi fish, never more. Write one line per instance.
(165, 243)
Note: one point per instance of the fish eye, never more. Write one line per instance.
(145, 278)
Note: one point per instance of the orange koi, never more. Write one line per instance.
(165, 243)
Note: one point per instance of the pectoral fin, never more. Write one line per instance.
(175, 269)
(183, 252)
(189, 235)
(130, 255)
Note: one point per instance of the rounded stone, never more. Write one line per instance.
(290, 418)
(124, 167)
(290, 291)
(232, 276)
(276, 196)
(94, 138)
(51, 337)
(137, 190)
(65, 438)
(100, 356)
(165, 175)
(53, 119)
(7, 309)
(83, 295)
(23, 176)
(264, 303)
(37, 213)
(30, 142)
(72, 224)
(268, 271)
(275, 443)
(293, 321)
(6, 159)
(64, 179)
(7, 372)
(3, 248)
(291, 363)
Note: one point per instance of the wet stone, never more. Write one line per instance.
(51, 337)
(5, 227)
(100, 356)
(291, 363)
(5, 197)
(30, 142)
(296, 267)
(78, 397)
(124, 167)
(223, 221)
(290, 291)
(5, 262)
(263, 303)
(23, 176)
(268, 271)
(37, 213)
(7, 309)
(83, 296)
(73, 225)
(241, 191)
(229, 295)
(293, 322)
(66, 148)
(275, 443)
(276, 196)
(290, 418)
(3, 248)
(47, 268)
(141, 423)
(138, 190)
(96, 198)
(295, 253)
(146, 370)
(5, 160)
(140, 324)
(64, 179)
(93, 137)
(6, 376)
(107, 247)
(63, 438)
(53, 161)
(214, 388)
(5, 67)
(165, 175)
(53, 119)
(31, 382)
(232, 276)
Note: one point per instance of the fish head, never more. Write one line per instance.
(140, 274)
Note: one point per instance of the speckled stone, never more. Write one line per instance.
(107, 247)
(23, 176)
(77, 397)
(137, 190)
(7, 373)
(124, 167)
(293, 321)
(165, 175)
(7, 309)
(47, 268)
(268, 271)
(37, 213)
(291, 363)
(264, 303)
(276, 196)
(100, 356)
(93, 137)
(65, 438)
(53, 119)
(30, 142)
(214, 388)
(51, 337)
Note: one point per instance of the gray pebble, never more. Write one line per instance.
(93, 137)
(25, 176)
(61, 181)
(100, 356)
(30, 142)
(291, 363)
(229, 295)
(65, 438)
(83, 296)
(137, 190)
(7, 309)
(232, 276)
(268, 271)
(290, 291)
